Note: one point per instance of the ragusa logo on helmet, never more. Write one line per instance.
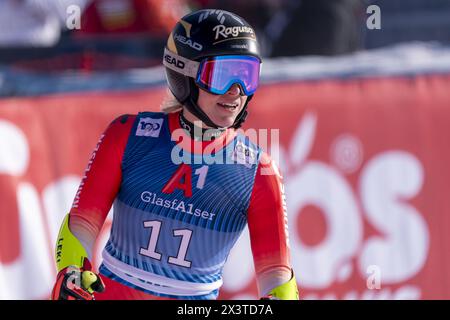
(223, 31)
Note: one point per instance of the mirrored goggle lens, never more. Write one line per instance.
(218, 74)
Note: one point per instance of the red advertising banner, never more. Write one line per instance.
(365, 171)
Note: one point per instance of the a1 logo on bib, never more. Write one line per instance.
(149, 127)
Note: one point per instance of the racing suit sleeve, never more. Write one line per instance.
(100, 183)
(267, 222)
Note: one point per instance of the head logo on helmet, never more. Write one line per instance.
(189, 42)
(206, 34)
(172, 60)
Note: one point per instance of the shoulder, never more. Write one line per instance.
(268, 189)
(157, 115)
(268, 167)
(121, 125)
(129, 119)
(123, 119)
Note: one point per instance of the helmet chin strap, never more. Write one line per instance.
(191, 104)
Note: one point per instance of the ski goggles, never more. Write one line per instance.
(218, 74)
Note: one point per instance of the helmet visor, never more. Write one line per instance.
(218, 74)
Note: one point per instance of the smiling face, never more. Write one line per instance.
(221, 109)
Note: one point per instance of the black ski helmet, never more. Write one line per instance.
(202, 34)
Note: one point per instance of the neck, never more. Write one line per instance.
(198, 133)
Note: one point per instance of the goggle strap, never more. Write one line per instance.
(180, 64)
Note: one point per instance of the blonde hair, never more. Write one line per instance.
(170, 104)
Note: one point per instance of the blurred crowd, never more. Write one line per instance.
(98, 34)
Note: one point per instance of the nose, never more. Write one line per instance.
(234, 90)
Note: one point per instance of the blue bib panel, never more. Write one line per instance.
(170, 237)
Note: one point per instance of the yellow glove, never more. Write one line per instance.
(75, 280)
(286, 291)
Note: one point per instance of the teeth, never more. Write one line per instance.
(228, 105)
